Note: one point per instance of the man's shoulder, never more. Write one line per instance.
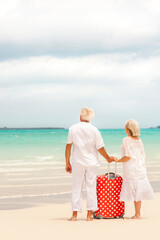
(95, 129)
(79, 125)
(74, 126)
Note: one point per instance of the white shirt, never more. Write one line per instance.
(86, 140)
(135, 168)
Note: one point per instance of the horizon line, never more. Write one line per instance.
(34, 128)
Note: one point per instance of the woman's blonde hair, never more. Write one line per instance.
(87, 114)
(133, 127)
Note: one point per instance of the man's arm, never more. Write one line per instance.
(67, 155)
(103, 152)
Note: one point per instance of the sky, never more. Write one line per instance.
(59, 56)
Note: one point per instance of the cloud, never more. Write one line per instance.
(109, 69)
(69, 28)
(43, 91)
(59, 105)
(59, 56)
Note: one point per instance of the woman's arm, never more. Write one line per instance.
(123, 159)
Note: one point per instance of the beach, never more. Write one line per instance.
(35, 190)
(88, 62)
(50, 222)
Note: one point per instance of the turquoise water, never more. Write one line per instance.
(30, 144)
(35, 144)
(32, 164)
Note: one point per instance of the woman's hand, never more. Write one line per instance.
(113, 159)
(116, 159)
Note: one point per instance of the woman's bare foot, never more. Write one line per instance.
(89, 216)
(136, 217)
(72, 219)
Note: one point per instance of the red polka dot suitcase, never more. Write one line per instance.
(108, 195)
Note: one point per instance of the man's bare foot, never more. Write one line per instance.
(74, 216)
(72, 219)
(136, 217)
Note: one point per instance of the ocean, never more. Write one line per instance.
(32, 164)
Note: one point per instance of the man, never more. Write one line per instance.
(87, 142)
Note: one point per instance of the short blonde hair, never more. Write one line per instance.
(86, 114)
(133, 127)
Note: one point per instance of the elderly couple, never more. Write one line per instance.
(87, 142)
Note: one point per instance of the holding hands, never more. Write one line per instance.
(123, 159)
(116, 159)
(113, 159)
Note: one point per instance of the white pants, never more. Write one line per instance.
(79, 173)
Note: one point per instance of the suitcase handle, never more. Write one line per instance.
(112, 175)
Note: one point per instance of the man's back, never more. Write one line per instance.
(86, 140)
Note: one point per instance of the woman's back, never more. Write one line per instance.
(134, 168)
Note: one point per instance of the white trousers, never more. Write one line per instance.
(79, 174)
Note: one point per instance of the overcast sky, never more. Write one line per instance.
(59, 56)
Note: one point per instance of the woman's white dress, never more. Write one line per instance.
(136, 186)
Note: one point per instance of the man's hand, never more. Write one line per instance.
(68, 168)
(112, 159)
(67, 155)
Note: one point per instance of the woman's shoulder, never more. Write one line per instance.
(132, 139)
(125, 139)
(126, 142)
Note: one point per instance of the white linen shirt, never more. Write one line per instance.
(86, 140)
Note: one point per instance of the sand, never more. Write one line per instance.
(48, 222)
